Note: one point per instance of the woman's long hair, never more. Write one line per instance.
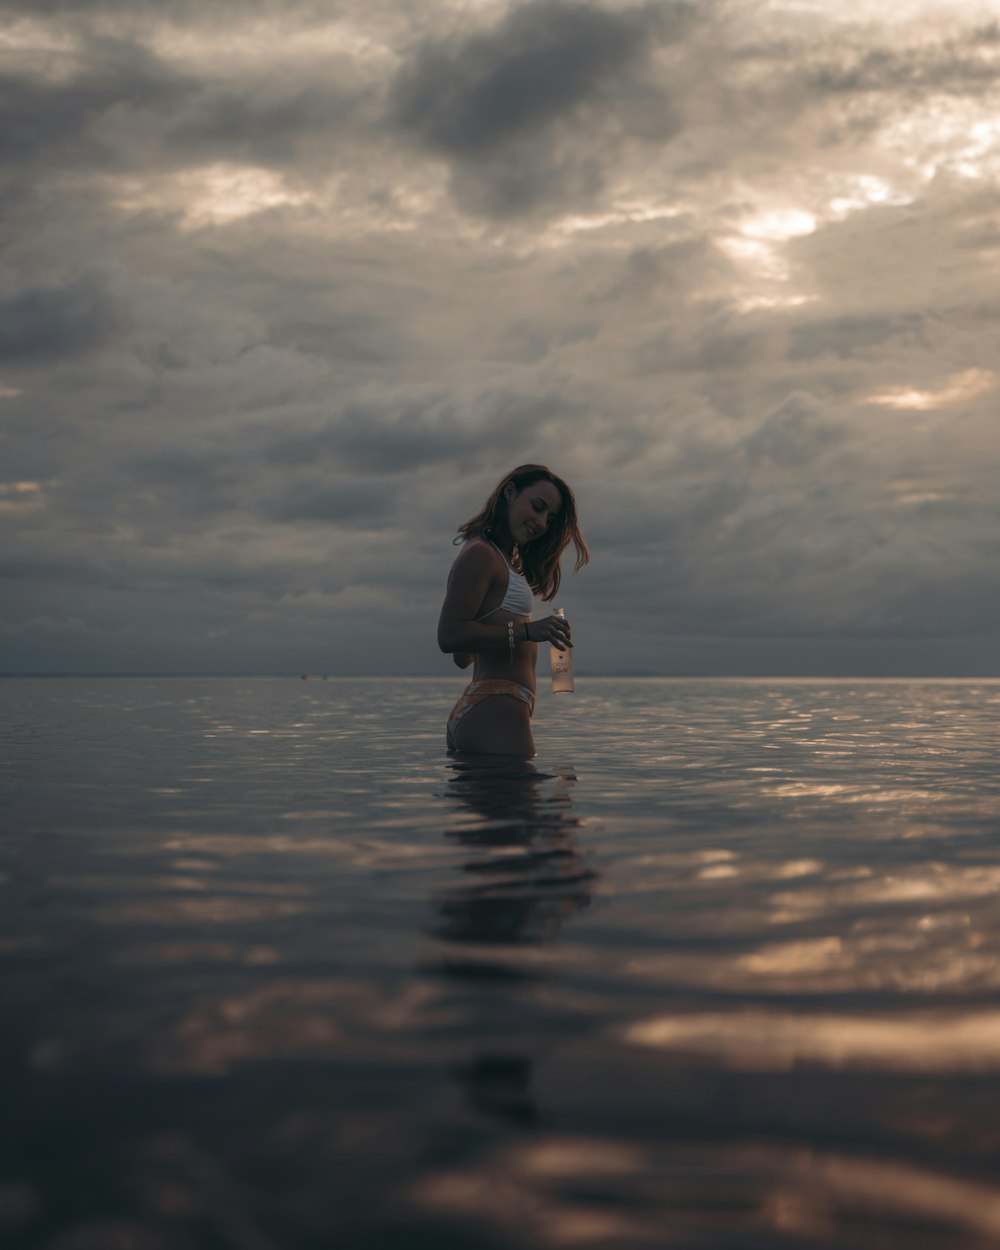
(539, 560)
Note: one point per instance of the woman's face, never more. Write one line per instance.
(531, 511)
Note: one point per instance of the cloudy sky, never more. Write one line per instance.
(286, 285)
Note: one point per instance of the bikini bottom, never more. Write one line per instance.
(476, 692)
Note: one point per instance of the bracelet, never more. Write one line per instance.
(510, 639)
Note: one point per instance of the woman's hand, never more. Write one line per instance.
(554, 629)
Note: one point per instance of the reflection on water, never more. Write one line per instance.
(277, 972)
(523, 877)
(526, 875)
(595, 1191)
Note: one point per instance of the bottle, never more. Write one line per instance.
(562, 664)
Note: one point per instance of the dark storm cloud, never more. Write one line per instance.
(673, 268)
(794, 434)
(162, 117)
(155, 481)
(34, 447)
(539, 64)
(404, 435)
(802, 527)
(330, 334)
(497, 104)
(713, 349)
(954, 67)
(46, 569)
(852, 336)
(317, 500)
(265, 122)
(48, 119)
(194, 470)
(53, 322)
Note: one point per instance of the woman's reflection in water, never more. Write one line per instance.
(529, 876)
(525, 879)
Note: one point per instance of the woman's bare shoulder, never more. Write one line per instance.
(477, 553)
(474, 569)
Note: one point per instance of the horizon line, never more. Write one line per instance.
(622, 675)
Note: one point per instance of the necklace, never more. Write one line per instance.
(500, 549)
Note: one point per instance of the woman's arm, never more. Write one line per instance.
(469, 582)
(461, 634)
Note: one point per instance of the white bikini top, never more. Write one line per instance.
(518, 600)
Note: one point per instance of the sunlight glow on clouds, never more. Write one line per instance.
(756, 248)
(852, 11)
(761, 258)
(911, 494)
(214, 195)
(948, 135)
(867, 191)
(959, 388)
(751, 303)
(778, 225)
(17, 496)
(260, 44)
(38, 45)
(619, 215)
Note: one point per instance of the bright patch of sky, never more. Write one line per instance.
(957, 389)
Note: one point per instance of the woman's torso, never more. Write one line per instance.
(490, 665)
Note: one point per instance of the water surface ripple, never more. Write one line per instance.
(718, 969)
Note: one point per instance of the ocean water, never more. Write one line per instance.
(719, 968)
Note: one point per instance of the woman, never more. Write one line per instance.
(509, 549)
